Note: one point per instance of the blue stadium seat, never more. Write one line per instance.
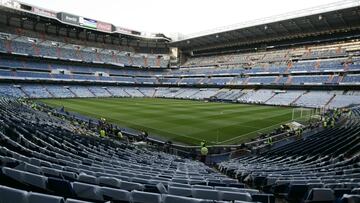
(111, 194)
(324, 195)
(11, 195)
(43, 198)
(145, 197)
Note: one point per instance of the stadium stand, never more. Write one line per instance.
(46, 156)
(49, 159)
(292, 74)
(52, 156)
(316, 99)
(23, 45)
(322, 167)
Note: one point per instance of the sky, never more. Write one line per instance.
(176, 16)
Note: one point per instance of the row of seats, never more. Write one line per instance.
(9, 195)
(325, 52)
(301, 67)
(316, 99)
(36, 47)
(231, 80)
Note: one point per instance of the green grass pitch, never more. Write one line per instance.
(182, 121)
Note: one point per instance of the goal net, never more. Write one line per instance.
(304, 114)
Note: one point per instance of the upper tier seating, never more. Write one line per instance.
(47, 48)
(330, 56)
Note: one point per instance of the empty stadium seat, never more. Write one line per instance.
(25, 177)
(264, 198)
(75, 201)
(87, 191)
(297, 192)
(206, 194)
(186, 192)
(111, 194)
(60, 187)
(131, 186)
(323, 195)
(231, 196)
(11, 195)
(87, 178)
(179, 199)
(43, 198)
(108, 181)
(355, 191)
(350, 198)
(145, 197)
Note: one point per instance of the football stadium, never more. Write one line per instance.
(263, 111)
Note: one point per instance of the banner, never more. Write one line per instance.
(69, 18)
(87, 22)
(44, 12)
(123, 30)
(104, 26)
(135, 32)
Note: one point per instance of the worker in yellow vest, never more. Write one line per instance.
(325, 124)
(120, 135)
(204, 152)
(332, 123)
(102, 133)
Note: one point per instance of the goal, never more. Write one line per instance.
(304, 114)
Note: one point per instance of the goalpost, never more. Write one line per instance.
(304, 114)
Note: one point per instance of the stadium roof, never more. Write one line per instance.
(340, 16)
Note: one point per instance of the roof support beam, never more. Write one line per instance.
(297, 26)
(287, 31)
(249, 30)
(311, 24)
(243, 36)
(231, 35)
(339, 15)
(327, 23)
